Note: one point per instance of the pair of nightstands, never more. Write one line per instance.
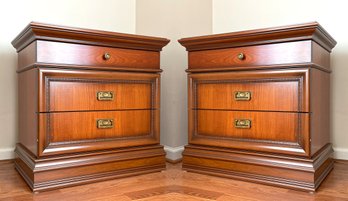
(89, 105)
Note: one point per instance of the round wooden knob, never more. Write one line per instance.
(241, 56)
(106, 56)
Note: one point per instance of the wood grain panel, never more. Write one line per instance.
(273, 126)
(28, 108)
(27, 56)
(76, 126)
(75, 54)
(282, 53)
(272, 95)
(82, 95)
(73, 132)
(320, 56)
(320, 109)
(132, 90)
(274, 90)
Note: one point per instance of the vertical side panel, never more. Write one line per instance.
(28, 107)
(320, 109)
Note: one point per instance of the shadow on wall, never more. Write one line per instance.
(8, 100)
(339, 96)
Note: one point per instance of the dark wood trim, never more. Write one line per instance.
(57, 172)
(102, 68)
(285, 171)
(307, 31)
(239, 68)
(48, 32)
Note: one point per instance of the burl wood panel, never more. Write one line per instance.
(320, 109)
(28, 107)
(273, 126)
(274, 96)
(76, 126)
(272, 54)
(76, 54)
(82, 95)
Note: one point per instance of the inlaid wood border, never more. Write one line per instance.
(46, 147)
(300, 147)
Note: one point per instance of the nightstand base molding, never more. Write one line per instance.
(276, 170)
(75, 169)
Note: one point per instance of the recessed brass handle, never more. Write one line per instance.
(106, 56)
(105, 95)
(242, 95)
(242, 123)
(241, 56)
(105, 123)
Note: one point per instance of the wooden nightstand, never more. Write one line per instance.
(259, 105)
(89, 105)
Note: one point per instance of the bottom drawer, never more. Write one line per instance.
(68, 132)
(98, 125)
(273, 132)
(275, 126)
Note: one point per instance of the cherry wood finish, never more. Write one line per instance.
(279, 53)
(277, 90)
(130, 90)
(76, 54)
(69, 132)
(284, 136)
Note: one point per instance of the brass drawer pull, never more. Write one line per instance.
(106, 56)
(105, 123)
(105, 95)
(242, 95)
(242, 123)
(241, 56)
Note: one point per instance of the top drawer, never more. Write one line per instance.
(88, 55)
(263, 55)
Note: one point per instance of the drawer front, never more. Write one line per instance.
(263, 55)
(265, 91)
(260, 131)
(272, 126)
(87, 90)
(66, 132)
(87, 55)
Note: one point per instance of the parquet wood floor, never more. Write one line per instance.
(174, 184)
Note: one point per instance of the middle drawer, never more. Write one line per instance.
(285, 90)
(65, 91)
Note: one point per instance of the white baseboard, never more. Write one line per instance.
(341, 153)
(174, 153)
(7, 153)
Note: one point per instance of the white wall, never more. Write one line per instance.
(174, 19)
(235, 15)
(112, 15)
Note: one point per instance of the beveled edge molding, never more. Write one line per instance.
(306, 31)
(299, 147)
(258, 67)
(27, 164)
(49, 32)
(321, 164)
(81, 67)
